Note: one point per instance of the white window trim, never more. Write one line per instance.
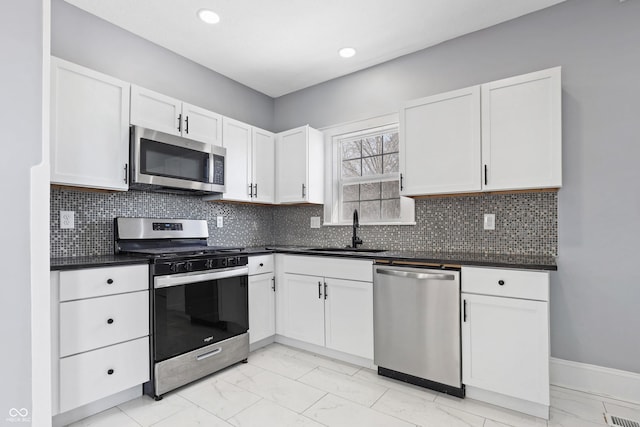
(332, 172)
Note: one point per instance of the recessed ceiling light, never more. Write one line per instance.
(208, 16)
(347, 52)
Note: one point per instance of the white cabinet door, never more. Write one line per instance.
(237, 140)
(303, 308)
(90, 376)
(155, 111)
(262, 307)
(349, 317)
(89, 128)
(522, 131)
(291, 169)
(201, 125)
(264, 166)
(300, 166)
(505, 346)
(440, 143)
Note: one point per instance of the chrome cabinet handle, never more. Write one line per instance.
(179, 122)
(319, 290)
(126, 174)
(251, 191)
(325, 290)
(273, 286)
(255, 191)
(186, 125)
(303, 191)
(420, 276)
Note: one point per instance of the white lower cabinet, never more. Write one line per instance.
(100, 333)
(262, 299)
(327, 302)
(87, 377)
(505, 337)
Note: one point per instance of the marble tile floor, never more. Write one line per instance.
(282, 386)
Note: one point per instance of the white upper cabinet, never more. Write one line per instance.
(522, 131)
(264, 166)
(440, 143)
(160, 112)
(250, 163)
(89, 128)
(300, 166)
(237, 140)
(503, 135)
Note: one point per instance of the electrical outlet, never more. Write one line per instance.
(67, 219)
(489, 221)
(219, 222)
(315, 222)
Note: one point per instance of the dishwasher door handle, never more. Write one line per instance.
(419, 276)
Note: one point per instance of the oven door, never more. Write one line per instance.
(160, 159)
(193, 310)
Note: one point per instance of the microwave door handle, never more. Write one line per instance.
(207, 169)
(195, 277)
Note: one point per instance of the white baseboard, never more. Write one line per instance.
(262, 343)
(536, 409)
(323, 351)
(612, 383)
(93, 408)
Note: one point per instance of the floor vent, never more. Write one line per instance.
(615, 421)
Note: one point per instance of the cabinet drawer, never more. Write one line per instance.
(85, 377)
(339, 268)
(95, 282)
(259, 264)
(524, 284)
(98, 322)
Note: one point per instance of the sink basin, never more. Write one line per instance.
(347, 250)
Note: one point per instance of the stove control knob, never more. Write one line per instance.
(231, 261)
(175, 267)
(188, 266)
(208, 263)
(223, 262)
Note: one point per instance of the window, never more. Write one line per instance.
(369, 175)
(364, 174)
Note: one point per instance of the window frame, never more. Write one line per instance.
(333, 190)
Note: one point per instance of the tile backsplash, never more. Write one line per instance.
(526, 223)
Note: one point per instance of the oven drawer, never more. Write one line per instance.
(99, 322)
(180, 370)
(259, 264)
(90, 376)
(504, 282)
(95, 282)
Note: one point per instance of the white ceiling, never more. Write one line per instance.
(280, 46)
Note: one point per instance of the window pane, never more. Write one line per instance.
(390, 142)
(391, 209)
(370, 191)
(351, 150)
(351, 192)
(391, 189)
(372, 165)
(391, 162)
(370, 211)
(371, 146)
(351, 168)
(347, 210)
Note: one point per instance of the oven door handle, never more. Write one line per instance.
(186, 278)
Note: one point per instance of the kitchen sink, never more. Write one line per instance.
(348, 250)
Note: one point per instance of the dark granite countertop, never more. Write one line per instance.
(75, 263)
(529, 262)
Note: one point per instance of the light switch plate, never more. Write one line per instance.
(67, 219)
(315, 222)
(219, 222)
(489, 221)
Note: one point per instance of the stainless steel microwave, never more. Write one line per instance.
(169, 163)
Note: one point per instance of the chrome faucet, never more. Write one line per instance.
(355, 240)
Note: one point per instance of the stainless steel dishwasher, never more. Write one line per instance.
(416, 313)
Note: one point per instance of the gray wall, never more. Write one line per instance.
(21, 50)
(595, 294)
(80, 37)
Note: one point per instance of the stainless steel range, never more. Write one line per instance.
(199, 299)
